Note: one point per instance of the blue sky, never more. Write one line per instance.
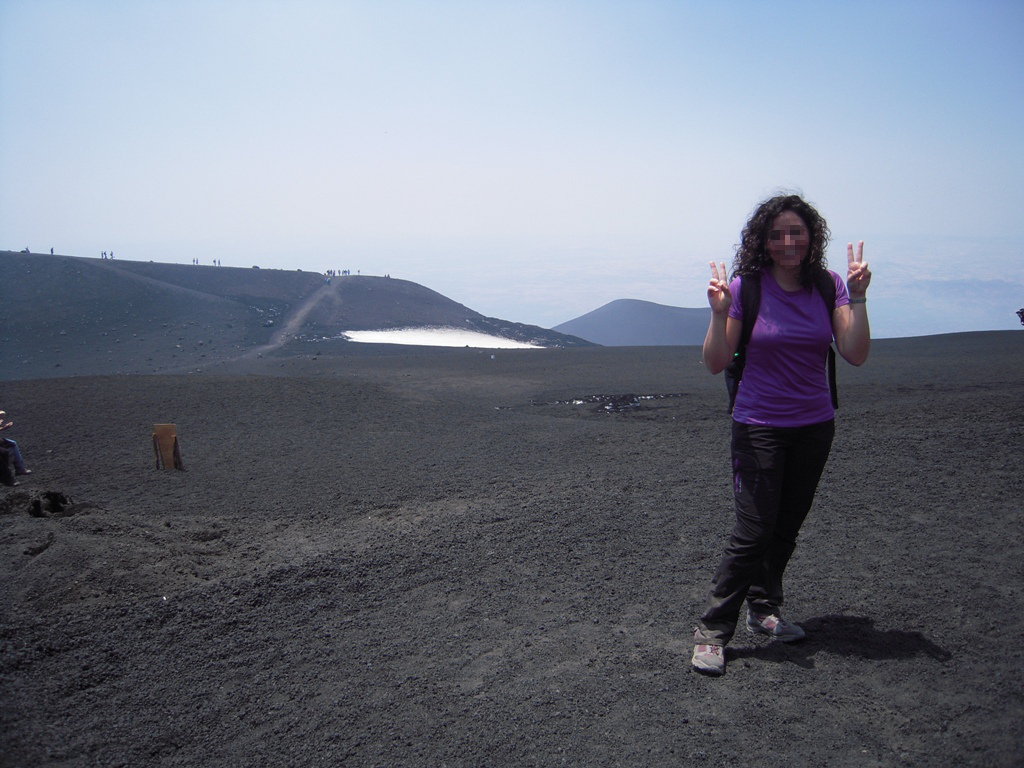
(531, 160)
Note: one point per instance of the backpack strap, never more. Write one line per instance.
(827, 288)
(750, 300)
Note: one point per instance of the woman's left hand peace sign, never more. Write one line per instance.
(858, 277)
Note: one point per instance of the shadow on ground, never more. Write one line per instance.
(854, 636)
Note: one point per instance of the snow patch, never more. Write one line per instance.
(437, 337)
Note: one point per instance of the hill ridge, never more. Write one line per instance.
(76, 316)
(635, 322)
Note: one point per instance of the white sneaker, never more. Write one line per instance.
(709, 659)
(774, 626)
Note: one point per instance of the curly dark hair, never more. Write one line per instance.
(752, 252)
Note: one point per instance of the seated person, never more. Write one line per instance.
(10, 447)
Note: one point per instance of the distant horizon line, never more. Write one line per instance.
(28, 252)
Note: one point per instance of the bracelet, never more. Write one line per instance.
(859, 301)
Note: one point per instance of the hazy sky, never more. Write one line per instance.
(531, 160)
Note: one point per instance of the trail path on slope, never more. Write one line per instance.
(281, 336)
(294, 322)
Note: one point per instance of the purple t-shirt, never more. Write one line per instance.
(784, 382)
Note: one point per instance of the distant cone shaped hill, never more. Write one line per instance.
(74, 316)
(635, 323)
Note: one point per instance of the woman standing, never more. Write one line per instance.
(783, 420)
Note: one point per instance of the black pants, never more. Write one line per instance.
(775, 476)
(6, 470)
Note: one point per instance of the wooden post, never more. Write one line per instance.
(165, 447)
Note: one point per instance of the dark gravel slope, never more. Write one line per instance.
(439, 559)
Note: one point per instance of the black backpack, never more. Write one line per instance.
(750, 297)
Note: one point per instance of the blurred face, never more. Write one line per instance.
(789, 240)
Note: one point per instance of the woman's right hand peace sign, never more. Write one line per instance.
(719, 295)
